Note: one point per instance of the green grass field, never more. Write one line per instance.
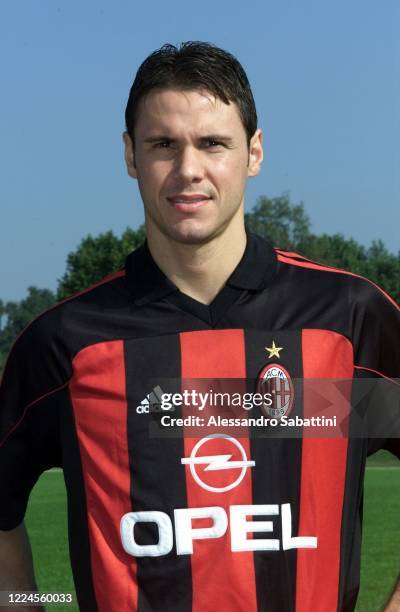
(47, 525)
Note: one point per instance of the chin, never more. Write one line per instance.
(191, 233)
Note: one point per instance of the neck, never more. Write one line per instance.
(199, 270)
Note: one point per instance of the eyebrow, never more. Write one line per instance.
(157, 138)
(218, 137)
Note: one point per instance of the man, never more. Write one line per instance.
(196, 520)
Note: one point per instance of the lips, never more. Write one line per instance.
(188, 202)
(188, 198)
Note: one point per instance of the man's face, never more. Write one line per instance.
(191, 160)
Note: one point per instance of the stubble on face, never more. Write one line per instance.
(190, 145)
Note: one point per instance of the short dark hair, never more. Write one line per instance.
(194, 65)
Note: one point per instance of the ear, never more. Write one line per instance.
(129, 155)
(256, 154)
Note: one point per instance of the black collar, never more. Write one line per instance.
(254, 272)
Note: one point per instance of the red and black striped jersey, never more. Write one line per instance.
(184, 520)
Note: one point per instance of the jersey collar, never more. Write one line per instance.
(254, 272)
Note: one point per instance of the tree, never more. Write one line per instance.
(286, 225)
(96, 257)
(384, 268)
(19, 314)
(2, 313)
(338, 251)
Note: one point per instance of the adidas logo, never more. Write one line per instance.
(152, 401)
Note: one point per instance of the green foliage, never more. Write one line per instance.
(383, 268)
(96, 257)
(2, 313)
(288, 227)
(19, 314)
(285, 224)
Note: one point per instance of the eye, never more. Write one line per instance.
(163, 144)
(213, 143)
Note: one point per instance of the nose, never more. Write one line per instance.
(189, 164)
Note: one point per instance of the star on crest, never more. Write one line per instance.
(274, 350)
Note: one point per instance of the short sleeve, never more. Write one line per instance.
(33, 379)
(376, 339)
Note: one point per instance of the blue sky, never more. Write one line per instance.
(325, 76)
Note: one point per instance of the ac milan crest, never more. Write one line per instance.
(276, 381)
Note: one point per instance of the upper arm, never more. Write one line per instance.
(32, 380)
(376, 333)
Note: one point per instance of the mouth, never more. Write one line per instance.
(188, 202)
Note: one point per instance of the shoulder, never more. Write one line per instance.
(368, 315)
(43, 340)
(363, 292)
